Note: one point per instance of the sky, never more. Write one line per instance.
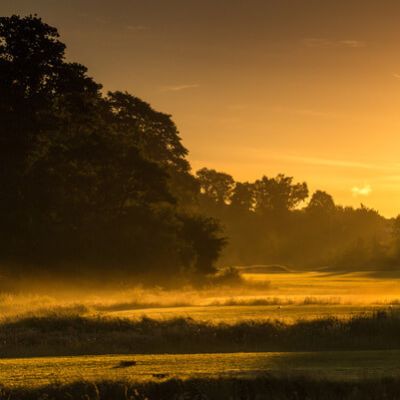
(308, 88)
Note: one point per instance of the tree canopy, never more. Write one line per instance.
(89, 179)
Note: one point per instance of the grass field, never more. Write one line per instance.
(256, 312)
(348, 365)
(285, 296)
(328, 328)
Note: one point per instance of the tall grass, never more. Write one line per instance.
(267, 388)
(57, 334)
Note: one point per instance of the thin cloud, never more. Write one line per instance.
(397, 76)
(328, 43)
(304, 111)
(361, 191)
(351, 43)
(136, 28)
(392, 169)
(237, 107)
(331, 163)
(179, 88)
(101, 20)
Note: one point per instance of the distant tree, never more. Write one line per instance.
(216, 186)
(396, 227)
(321, 202)
(243, 196)
(278, 194)
(395, 234)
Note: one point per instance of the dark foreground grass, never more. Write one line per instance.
(267, 388)
(77, 335)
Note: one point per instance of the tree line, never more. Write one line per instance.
(276, 220)
(99, 183)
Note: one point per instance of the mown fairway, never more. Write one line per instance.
(30, 372)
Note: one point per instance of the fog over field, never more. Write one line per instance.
(251, 296)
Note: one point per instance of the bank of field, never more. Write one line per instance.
(79, 335)
(262, 388)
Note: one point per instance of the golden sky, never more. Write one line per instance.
(310, 88)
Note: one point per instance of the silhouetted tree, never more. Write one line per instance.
(153, 132)
(321, 202)
(86, 178)
(278, 194)
(216, 186)
(157, 137)
(206, 243)
(243, 196)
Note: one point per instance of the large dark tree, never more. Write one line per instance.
(157, 137)
(88, 179)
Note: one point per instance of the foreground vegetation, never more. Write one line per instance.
(233, 389)
(77, 335)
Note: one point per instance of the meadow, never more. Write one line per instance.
(332, 366)
(307, 330)
(287, 296)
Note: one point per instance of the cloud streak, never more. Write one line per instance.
(390, 170)
(329, 43)
(136, 28)
(304, 112)
(179, 88)
(332, 163)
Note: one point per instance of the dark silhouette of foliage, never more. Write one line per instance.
(321, 203)
(272, 221)
(153, 132)
(216, 186)
(243, 196)
(89, 180)
(278, 194)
